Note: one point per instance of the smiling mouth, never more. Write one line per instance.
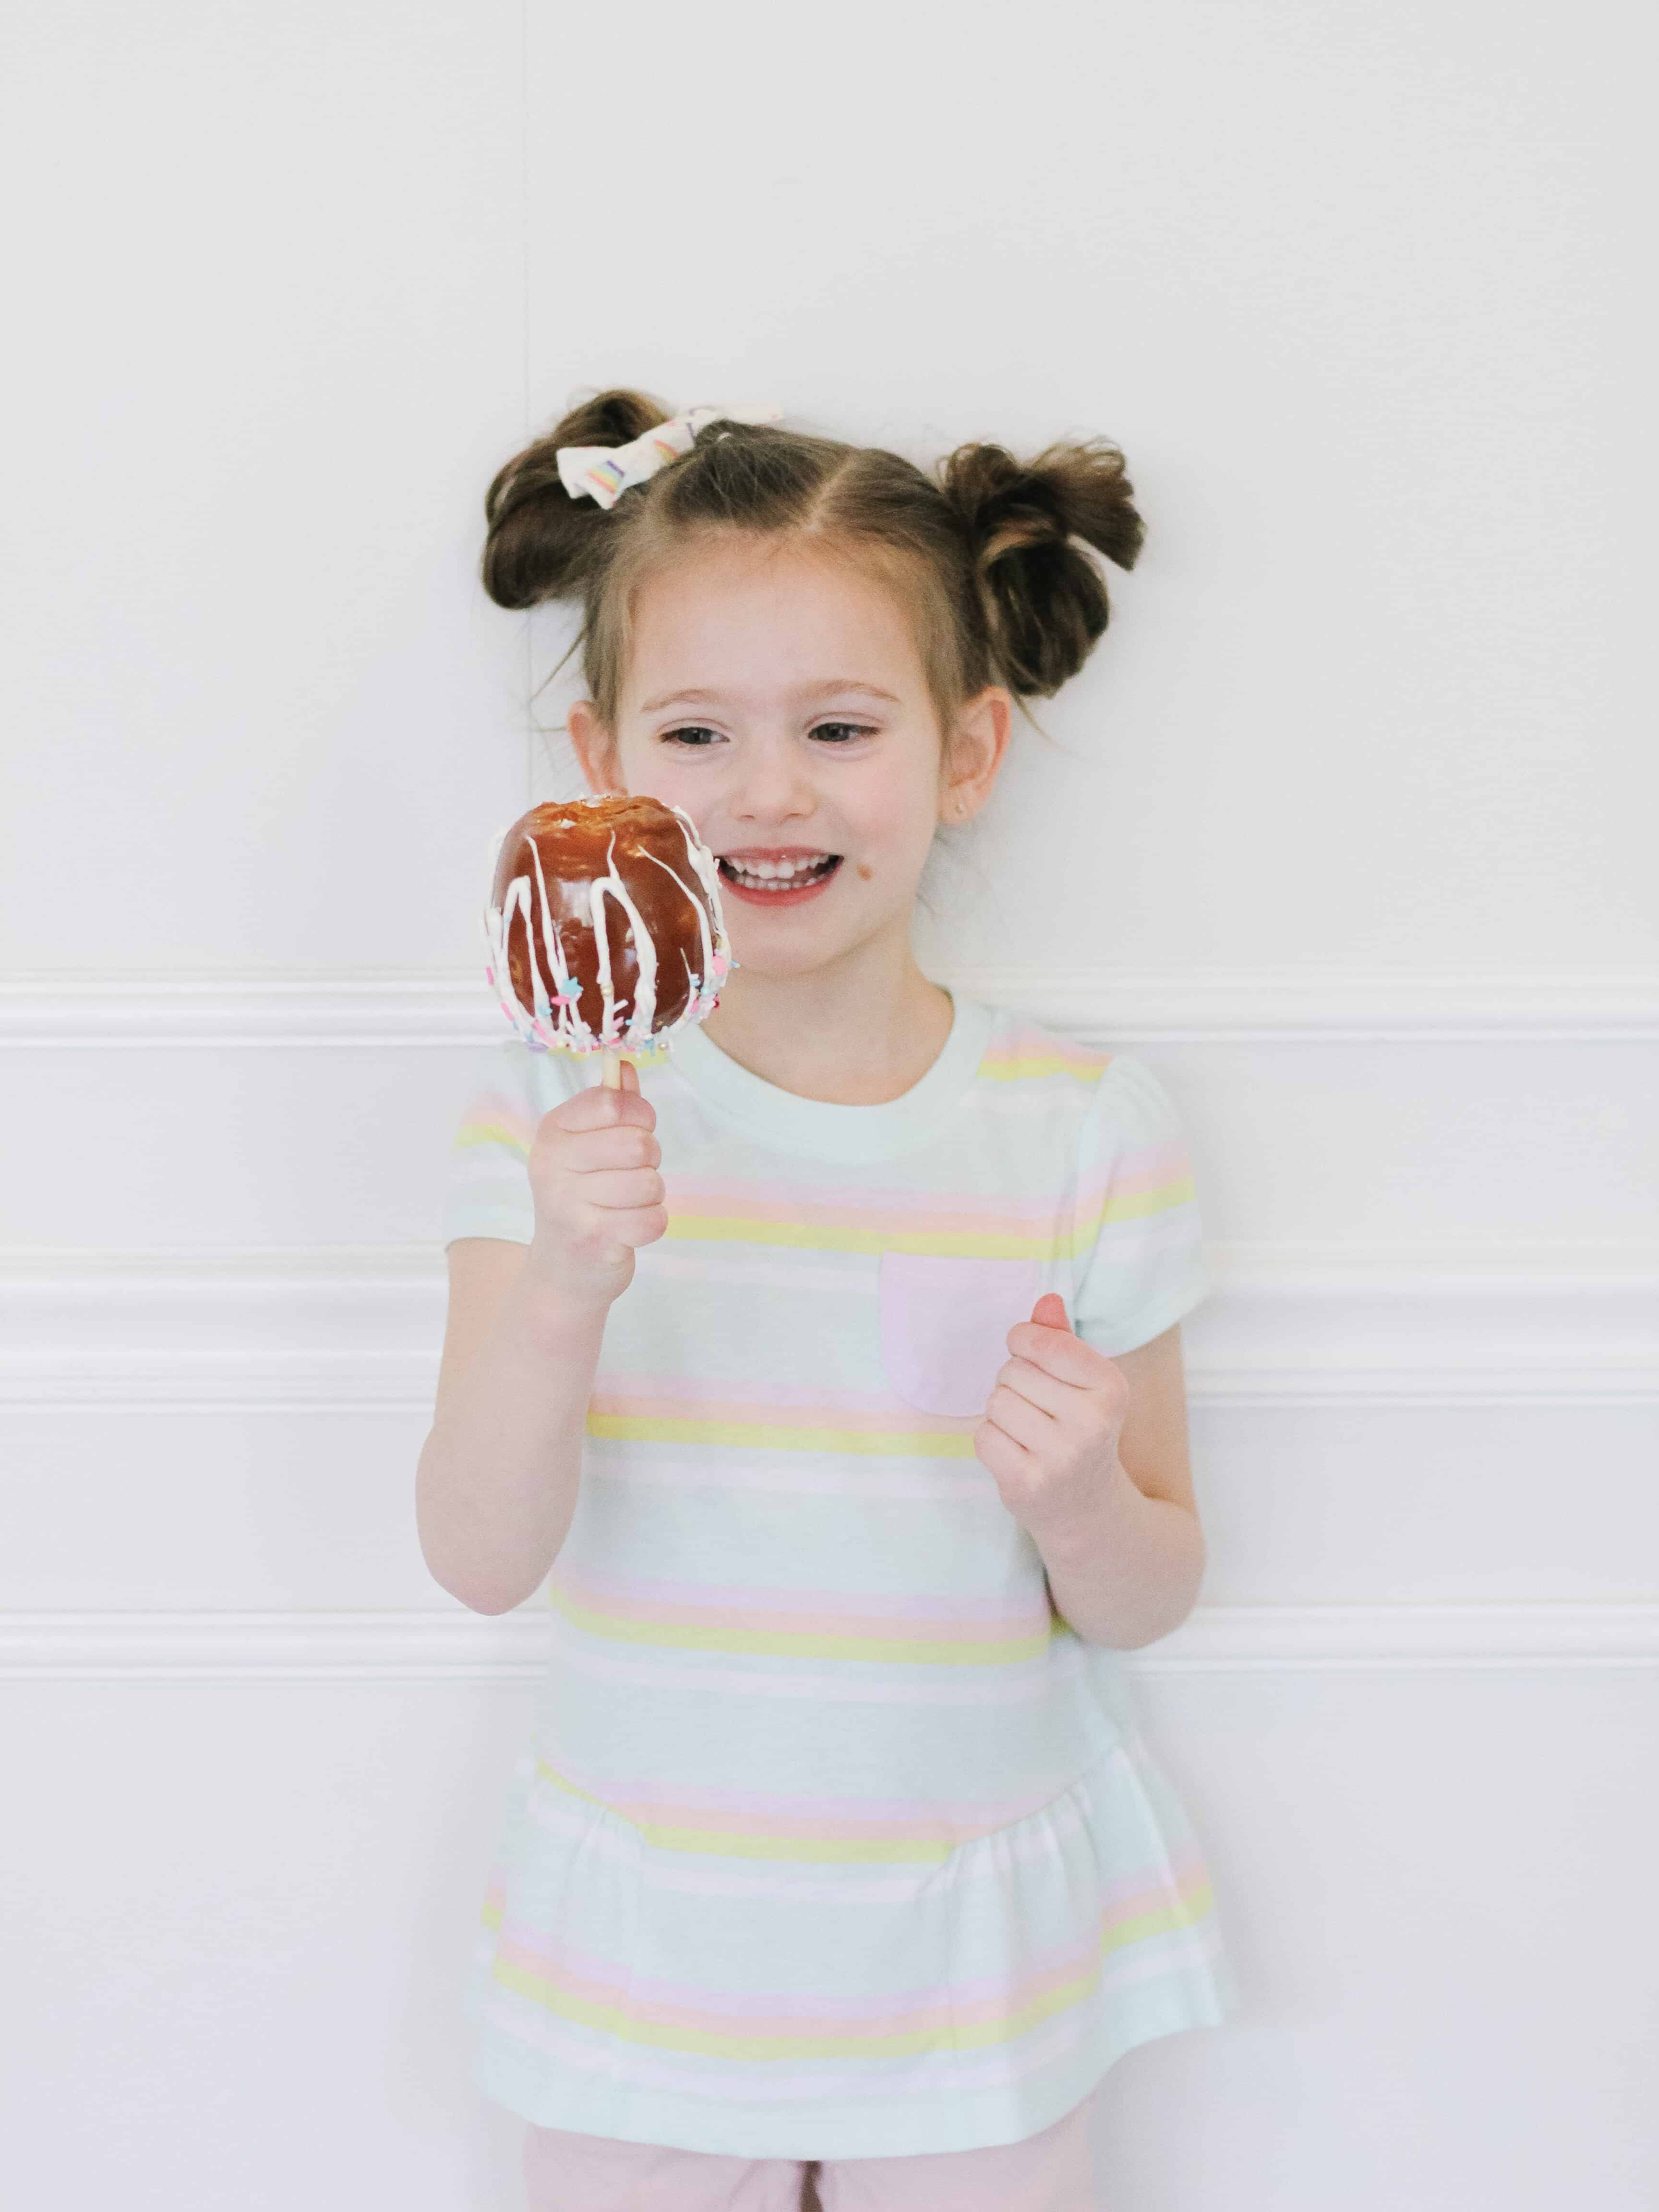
(775, 877)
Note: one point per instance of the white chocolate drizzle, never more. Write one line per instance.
(555, 1021)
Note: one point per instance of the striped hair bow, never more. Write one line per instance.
(604, 472)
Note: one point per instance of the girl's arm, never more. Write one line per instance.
(1090, 1454)
(497, 1484)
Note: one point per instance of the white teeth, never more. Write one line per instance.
(755, 874)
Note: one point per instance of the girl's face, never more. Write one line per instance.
(779, 698)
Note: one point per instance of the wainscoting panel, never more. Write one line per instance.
(289, 1110)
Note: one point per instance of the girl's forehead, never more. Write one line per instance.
(756, 616)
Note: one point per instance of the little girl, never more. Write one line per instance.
(832, 1367)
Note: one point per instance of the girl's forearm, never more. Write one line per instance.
(498, 1476)
(1127, 1570)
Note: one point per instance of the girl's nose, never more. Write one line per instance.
(772, 788)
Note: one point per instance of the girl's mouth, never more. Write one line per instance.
(777, 879)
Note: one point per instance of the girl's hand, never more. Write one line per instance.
(1052, 1423)
(597, 1195)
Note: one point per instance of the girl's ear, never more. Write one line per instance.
(974, 755)
(595, 747)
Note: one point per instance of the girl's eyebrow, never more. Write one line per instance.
(839, 684)
(833, 687)
(680, 699)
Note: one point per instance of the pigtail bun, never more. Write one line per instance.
(1042, 598)
(542, 543)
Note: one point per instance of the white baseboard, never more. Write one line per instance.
(448, 1007)
(454, 1646)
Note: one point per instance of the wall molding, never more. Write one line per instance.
(329, 1329)
(441, 1646)
(347, 1008)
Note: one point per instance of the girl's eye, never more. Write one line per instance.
(699, 735)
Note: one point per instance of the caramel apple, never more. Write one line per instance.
(604, 926)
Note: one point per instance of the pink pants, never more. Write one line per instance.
(1047, 2173)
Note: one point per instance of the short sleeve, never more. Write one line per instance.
(488, 1193)
(1147, 1268)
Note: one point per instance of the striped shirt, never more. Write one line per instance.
(832, 1838)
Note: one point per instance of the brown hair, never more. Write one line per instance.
(988, 552)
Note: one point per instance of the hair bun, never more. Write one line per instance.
(542, 543)
(1042, 598)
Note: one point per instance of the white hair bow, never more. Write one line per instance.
(604, 472)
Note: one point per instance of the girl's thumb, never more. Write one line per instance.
(1050, 1312)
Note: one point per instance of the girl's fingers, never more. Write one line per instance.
(1058, 1353)
(999, 1455)
(622, 1188)
(598, 1150)
(1018, 1418)
(637, 1225)
(1040, 1388)
(596, 1108)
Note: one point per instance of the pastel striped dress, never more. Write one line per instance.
(832, 1840)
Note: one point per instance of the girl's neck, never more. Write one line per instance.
(860, 1032)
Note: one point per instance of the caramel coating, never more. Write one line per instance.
(635, 845)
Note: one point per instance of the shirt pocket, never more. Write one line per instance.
(945, 1326)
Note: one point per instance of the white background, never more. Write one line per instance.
(1347, 828)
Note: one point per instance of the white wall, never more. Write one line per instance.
(1347, 828)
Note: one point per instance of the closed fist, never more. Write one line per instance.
(599, 1196)
(1052, 1423)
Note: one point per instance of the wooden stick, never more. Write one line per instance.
(610, 1068)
